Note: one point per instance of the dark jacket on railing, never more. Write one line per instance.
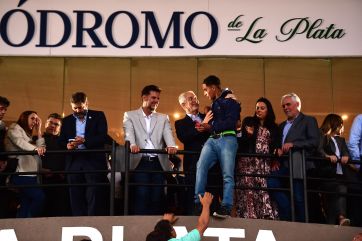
(326, 147)
(304, 134)
(95, 138)
(192, 139)
(54, 162)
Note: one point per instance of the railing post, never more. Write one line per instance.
(305, 187)
(291, 182)
(126, 175)
(113, 178)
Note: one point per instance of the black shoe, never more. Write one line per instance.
(222, 212)
(197, 209)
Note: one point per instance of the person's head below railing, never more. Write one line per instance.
(164, 230)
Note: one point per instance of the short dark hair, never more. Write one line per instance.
(212, 80)
(156, 236)
(4, 101)
(164, 226)
(78, 97)
(55, 116)
(162, 231)
(147, 89)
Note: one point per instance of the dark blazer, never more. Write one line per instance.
(54, 162)
(304, 134)
(192, 140)
(327, 147)
(95, 138)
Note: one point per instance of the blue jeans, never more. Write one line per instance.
(282, 198)
(223, 150)
(31, 198)
(149, 199)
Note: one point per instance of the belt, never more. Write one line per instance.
(224, 133)
(150, 158)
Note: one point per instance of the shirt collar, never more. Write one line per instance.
(191, 115)
(145, 116)
(291, 121)
(85, 116)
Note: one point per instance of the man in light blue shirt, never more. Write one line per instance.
(85, 129)
(355, 150)
(355, 139)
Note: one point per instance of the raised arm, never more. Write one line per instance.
(204, 218)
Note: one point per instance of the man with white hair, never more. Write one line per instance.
(299, 132)
(193, 135)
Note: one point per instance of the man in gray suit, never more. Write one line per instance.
(299, 132)
(144, 128)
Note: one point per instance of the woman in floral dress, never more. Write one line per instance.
(258, 136)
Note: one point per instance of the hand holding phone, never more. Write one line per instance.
(71, 144)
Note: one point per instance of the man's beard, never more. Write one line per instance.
(153, 107)
(80, 114)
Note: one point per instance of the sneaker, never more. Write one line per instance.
(222, 212)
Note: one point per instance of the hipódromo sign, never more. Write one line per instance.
(180, 28)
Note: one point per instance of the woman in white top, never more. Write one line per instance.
(26, 135)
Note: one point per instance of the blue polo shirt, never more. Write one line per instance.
(194, 235)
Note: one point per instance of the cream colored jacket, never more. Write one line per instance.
(135, 130)
(17, 140)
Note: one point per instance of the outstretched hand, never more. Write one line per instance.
(206, 200)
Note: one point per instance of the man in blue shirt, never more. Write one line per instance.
(85, 129)
(355, 150)
(355, 139)
(222, 144)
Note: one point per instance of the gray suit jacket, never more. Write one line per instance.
(135, 130)
(304, 134)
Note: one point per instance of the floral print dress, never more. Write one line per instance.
(251, 203)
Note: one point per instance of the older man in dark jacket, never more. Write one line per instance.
(299, 132)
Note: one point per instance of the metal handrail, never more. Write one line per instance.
(265, 156)
(127, 172)
(111, 183)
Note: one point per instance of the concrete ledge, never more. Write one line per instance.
(135, 228)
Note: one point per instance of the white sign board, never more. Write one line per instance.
(181, 28)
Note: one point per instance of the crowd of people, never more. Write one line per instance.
(218, 135)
